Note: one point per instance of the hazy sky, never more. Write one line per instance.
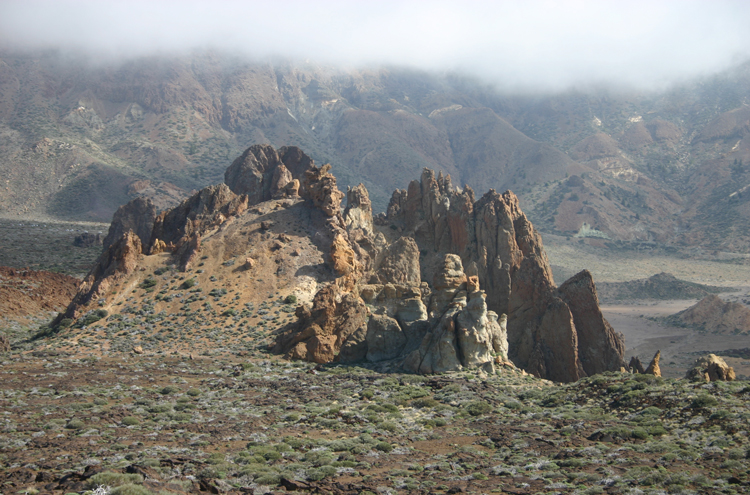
(530, 44)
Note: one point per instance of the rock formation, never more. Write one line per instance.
(711, 368)
(117, 261)
(262, 173)
(635, 365)
(180, 229)
(599, 347)
(558, 334)
(653, 367)
(137, 215)
(419, 287)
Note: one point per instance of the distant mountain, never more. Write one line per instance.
(78, 138)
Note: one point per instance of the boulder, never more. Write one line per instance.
(711, 368)
(87, 239)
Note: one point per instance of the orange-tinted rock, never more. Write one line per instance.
(653, 367)
(117, 261)
(138, 215)
(711, 368)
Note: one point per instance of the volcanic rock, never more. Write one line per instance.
(494, 236)
(635, 365)
(653, 367)
(358, 212)
(184, 225)
(400, 264)
(116, 262)
(711, 368)
(262, 173)
(138, 215)
(368, 298)
(599, 347)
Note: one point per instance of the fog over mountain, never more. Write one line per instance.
(540, 45)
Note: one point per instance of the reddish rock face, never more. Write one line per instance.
(138, 215)
(117, 261)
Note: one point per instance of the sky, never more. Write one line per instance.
(534, 44)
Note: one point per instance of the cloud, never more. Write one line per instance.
(538, 44)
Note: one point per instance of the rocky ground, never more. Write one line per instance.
(245, 422)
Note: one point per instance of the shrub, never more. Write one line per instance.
(109, 478)
(640, 433)
(290, 299)
(75, 424)
(384, 446)
(193, 392)
(424, 402)
(187, 284)
(478, 408)
(130, 421)
(148, 283)
(703, 401)
(169, 389)
(130, 489)
(65, 322)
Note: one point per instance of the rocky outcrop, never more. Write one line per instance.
(462, 333)
(179, 230)
(496, 239)
(424, 293)
(323, 329)
(117, 261)
(635, 365)
(653, 367)
(711, 368)
(138, 216)
(319, 187)
(400, 263)
(600, 348)
(263, 173)
(358, 212)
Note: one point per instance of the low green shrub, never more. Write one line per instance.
(110, 478)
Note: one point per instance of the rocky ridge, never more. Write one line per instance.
(425, 286)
